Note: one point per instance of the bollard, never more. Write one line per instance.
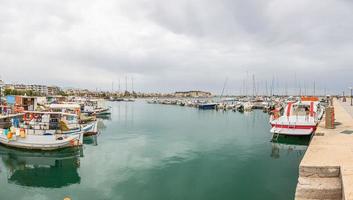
(330, 118)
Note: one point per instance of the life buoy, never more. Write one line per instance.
(28, 117)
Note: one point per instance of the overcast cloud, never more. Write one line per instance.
(178, 45)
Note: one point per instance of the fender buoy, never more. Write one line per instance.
(275, 114)
(72, 142)
(9, 135)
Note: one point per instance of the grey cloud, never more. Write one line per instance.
(172, 45)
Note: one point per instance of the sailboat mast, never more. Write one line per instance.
(119, 86)
(253, 86)
(112, 86)
(125, 83)
(224, 86)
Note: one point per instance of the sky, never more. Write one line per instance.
(166, 46)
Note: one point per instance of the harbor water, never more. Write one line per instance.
(151, 152)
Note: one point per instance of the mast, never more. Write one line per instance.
(119, 86)
(126, 83)
(224, 86)
(246, 83)
(243, 89)
(300, 89)
(253, 86)
(305, 88)
(272, 85)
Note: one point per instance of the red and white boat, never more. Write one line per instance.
(299, 118)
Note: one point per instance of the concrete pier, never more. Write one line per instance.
(326, 171)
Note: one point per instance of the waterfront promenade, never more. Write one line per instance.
(326, 171)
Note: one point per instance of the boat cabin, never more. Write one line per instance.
(72, 108)
(50, 121)
(26, 102)
(302, 108)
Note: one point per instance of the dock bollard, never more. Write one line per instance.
(330, 118)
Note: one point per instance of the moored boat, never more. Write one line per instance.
(44, 131)
(207, 106)
(299, 118)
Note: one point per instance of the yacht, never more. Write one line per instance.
(299, 118)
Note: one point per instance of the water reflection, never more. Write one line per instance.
(42, 169)
(91, 140)
(289, 145)
(105, 117)
(101, 126)
(124, 111)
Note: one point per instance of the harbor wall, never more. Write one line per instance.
(326, 171)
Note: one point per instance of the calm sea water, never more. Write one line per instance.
(160, 152)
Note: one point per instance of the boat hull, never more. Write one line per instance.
(207, 106)
(44, 142)
(298, 130)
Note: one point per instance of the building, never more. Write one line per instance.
(53, 90)
(194, 93)
(21, 87)
(41, 89)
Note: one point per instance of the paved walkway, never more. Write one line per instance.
(347, 106)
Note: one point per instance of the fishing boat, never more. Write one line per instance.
(91, 107)
(299, 118)
(43, 131)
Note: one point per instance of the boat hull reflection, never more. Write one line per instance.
(289, 144)
(42, 169)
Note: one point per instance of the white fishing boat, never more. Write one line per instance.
(299, 118)
(42, 142)
(92, 107)
(44, 131)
